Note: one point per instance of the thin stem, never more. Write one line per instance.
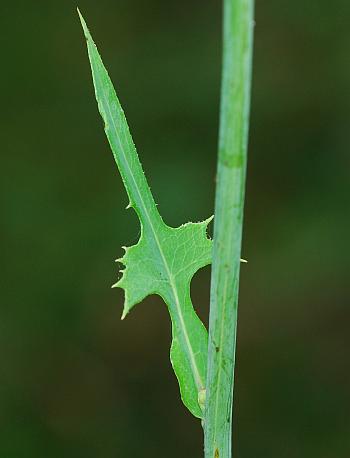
(231, 172)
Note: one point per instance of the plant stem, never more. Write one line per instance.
(231, 172)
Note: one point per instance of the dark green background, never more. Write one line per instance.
(75, 381)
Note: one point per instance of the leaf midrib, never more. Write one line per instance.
(196, 374)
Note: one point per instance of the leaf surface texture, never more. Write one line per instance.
(165, 259)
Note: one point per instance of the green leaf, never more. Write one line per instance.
(165, 259)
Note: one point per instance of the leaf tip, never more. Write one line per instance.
(125, 248)
(83, 23)
(209, 220)
(80, 16)
(120, 260)
(125, 312)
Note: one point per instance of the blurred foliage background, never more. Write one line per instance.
(74, 380)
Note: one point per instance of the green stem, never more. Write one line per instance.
(231, 172)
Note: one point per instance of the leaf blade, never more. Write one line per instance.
(165, 259)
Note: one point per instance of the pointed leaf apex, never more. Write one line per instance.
(83, 23)
(125, 312)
